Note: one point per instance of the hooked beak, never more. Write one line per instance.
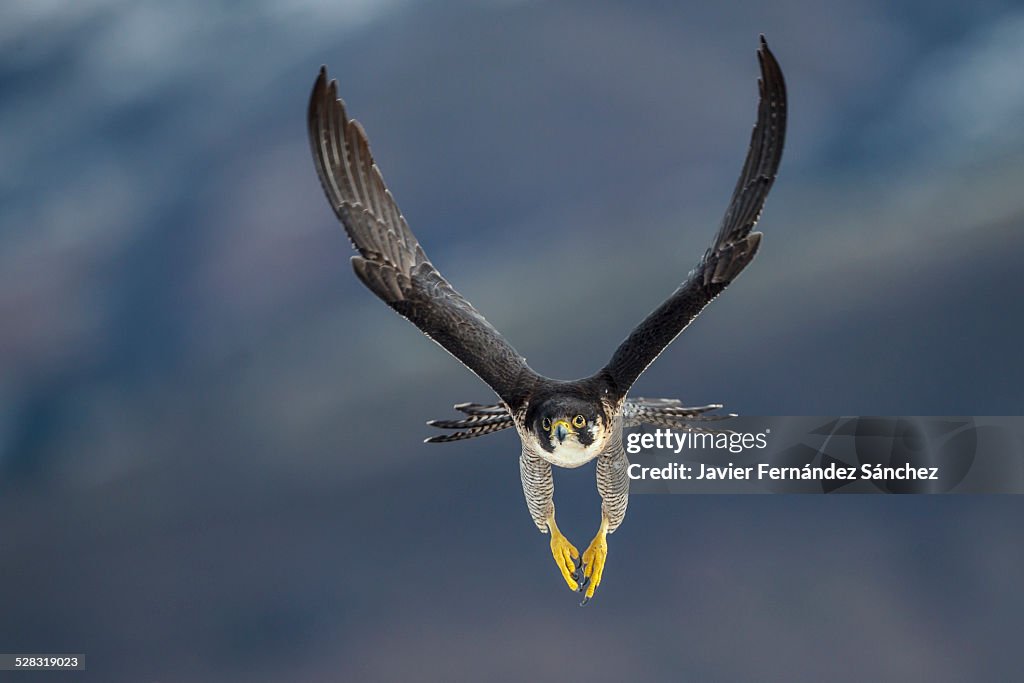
(561, 429)
(561, 432)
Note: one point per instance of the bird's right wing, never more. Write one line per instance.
(391, 261)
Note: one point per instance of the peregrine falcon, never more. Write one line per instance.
(563, 423)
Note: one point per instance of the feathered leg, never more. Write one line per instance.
(613, 485)
(539, 490)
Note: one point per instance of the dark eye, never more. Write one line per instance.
(546, 424)
(579, 422)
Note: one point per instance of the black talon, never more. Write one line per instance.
(585, 601)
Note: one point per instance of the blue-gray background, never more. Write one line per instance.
(210, 458)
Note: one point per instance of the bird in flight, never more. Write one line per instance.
(562, 423)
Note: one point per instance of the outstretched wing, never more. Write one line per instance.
(391, 262)
(734, 246)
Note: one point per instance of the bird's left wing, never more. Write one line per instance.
(734, 246)
(391, 261)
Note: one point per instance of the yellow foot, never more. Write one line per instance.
(565, 555)
(593, 564)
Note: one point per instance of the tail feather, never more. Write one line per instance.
(669, 413)
(481, 419)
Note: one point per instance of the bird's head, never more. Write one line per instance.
(569, 424)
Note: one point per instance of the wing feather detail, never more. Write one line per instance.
(734, 246)
(390, 260)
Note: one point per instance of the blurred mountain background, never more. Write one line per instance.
(210, 457)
